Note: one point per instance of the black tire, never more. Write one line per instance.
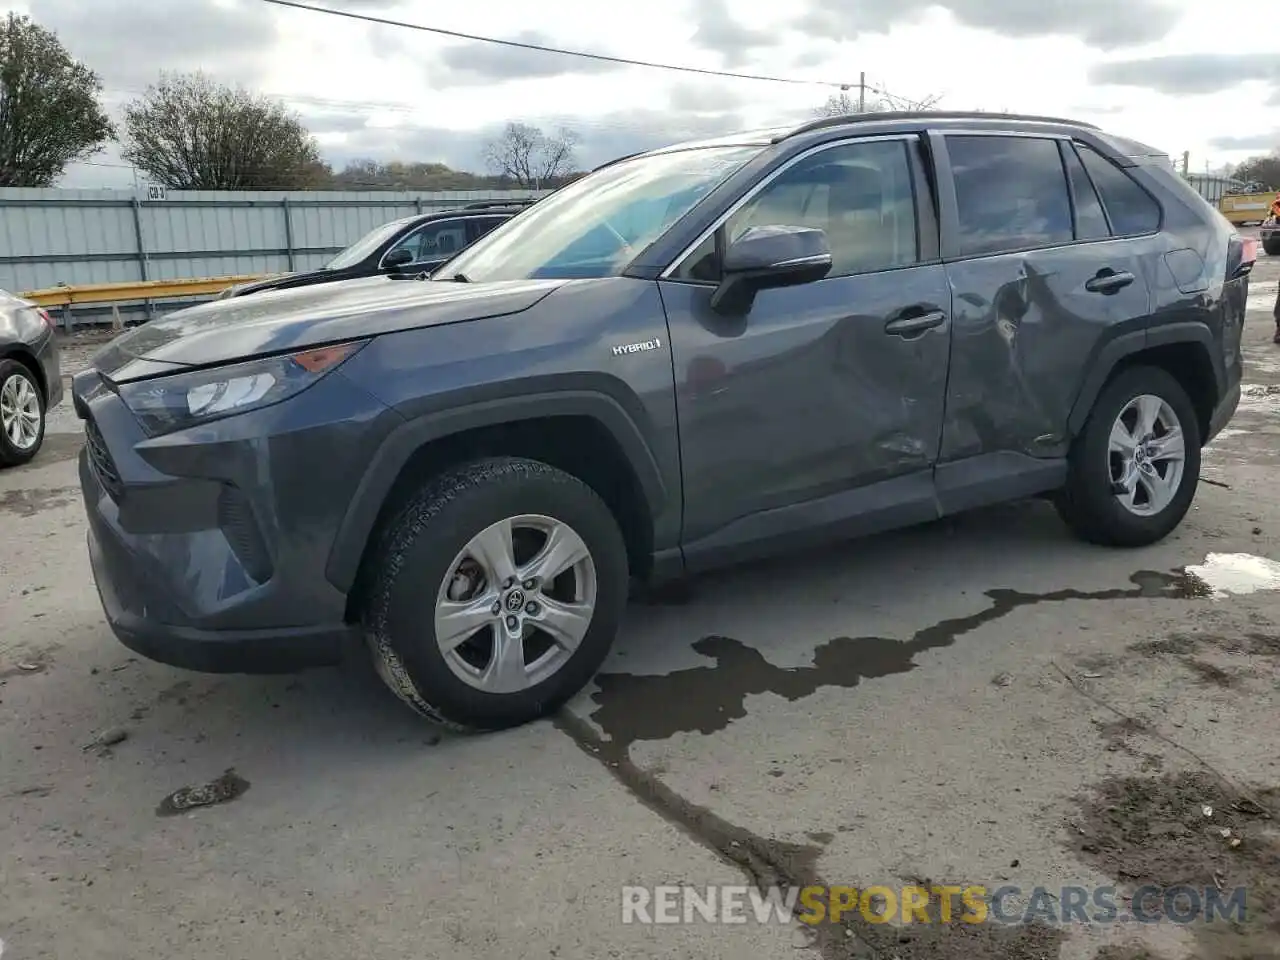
(1087, 503)
(12, 455)
(1271, 248)
(413, 557)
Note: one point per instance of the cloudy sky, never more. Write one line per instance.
(1143, 68)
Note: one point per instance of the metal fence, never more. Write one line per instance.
(51, 237)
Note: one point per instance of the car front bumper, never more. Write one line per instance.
(208, 546)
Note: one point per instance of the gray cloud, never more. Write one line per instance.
(1105, 24)
(600, 138)
(695, 97)
(1190, 73)
(1260, 142)
(719, 31)
(129, 42)
(475, 64)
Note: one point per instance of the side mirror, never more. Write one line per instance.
(767, 257)
(398, 258)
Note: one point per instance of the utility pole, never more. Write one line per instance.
(862, 92)
(1186, 161)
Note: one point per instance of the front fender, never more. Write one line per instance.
(401, 444)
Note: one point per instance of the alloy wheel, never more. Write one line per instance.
(20, 412)
(515, 603)
(1147, 455)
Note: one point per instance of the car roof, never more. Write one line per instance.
(911, 120)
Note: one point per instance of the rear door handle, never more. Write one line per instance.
(915, 324)
(1109, 281)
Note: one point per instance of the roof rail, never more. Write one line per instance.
(625, 156)
(823, 123)
(488, 204)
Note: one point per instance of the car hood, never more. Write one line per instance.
(277, 321)
(275, 282)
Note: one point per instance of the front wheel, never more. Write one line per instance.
(497, 593)
(21, 414)
(1134, 469)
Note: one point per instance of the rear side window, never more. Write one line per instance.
(1130, 209)
(1011, 193)
(1091, 222)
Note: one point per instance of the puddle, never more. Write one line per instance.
(706, 699)
(1227, 574)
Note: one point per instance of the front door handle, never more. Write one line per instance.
(1109, 281)
(914, 324)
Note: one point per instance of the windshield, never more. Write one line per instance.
(596, 225)
(365, 245)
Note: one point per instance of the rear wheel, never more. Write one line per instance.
(497, 593)
(1134, 469)
(21, 414)
(1271, 246)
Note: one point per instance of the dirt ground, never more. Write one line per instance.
(980, 701)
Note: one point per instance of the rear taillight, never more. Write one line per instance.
(1242, 254)
(44, 315)
(1249, 253)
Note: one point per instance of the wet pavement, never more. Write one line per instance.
(981, 701)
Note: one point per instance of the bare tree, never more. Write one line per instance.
(49, 110)
(190, 133)
(1264, 170)
(852, 100)
(529, 157)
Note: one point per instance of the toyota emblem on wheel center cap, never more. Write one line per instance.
(515, 601)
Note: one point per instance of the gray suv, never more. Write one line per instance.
(687, 358)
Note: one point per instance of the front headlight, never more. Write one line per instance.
(181, 400)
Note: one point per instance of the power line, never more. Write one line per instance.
(540, 48)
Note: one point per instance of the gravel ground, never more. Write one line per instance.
(978, 701)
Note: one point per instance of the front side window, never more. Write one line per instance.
(434, 241)
(1130, 208)
(597, 225)
(366, 245)
(1011, 193)
(859, 194)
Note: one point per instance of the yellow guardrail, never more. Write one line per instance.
(135, 290)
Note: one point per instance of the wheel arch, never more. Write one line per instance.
(603, 432)
(20, 354)
(1185, 350)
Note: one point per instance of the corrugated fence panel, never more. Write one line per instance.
(48, 237)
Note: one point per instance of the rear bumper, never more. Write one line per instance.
(1225, 410)
(50, 371)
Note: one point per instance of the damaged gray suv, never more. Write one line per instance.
(687, 358)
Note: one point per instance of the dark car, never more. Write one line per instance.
(687, 358)
(30, 377)
(414, 244)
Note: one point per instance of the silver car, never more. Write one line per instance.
(30, 377)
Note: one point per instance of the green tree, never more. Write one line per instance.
(1265, 170)
(188, 132)
(49, 109)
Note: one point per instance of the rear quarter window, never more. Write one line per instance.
(1129, 207)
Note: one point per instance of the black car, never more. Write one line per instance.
(30, 377)
(416, 244)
